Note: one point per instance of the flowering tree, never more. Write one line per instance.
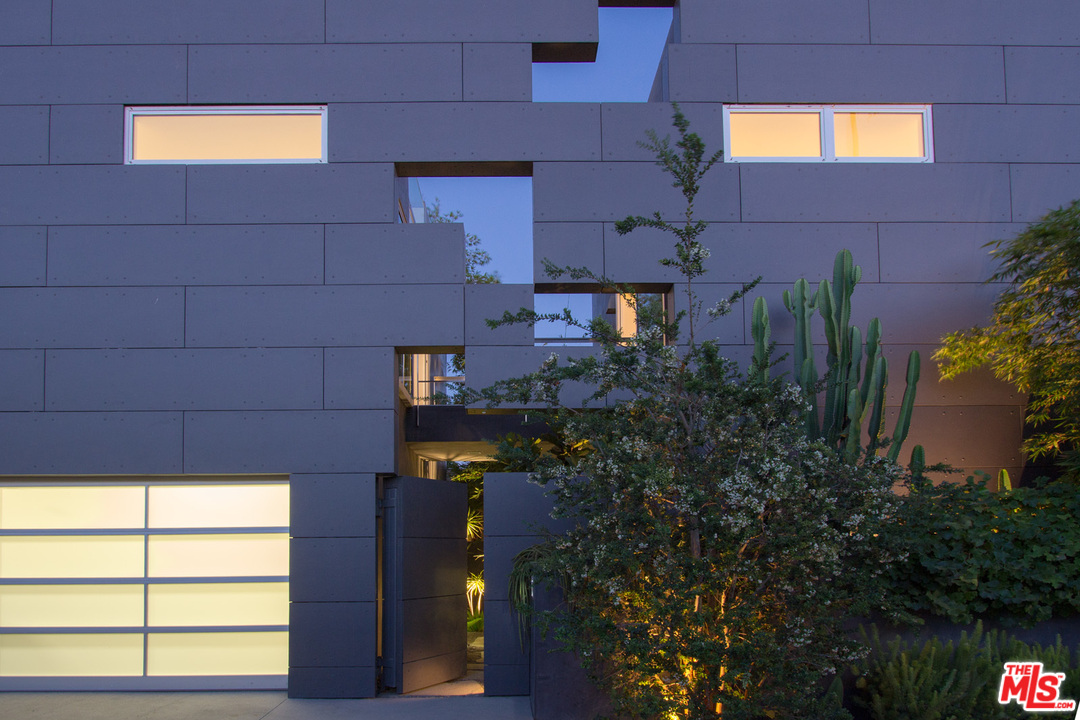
(717, 549)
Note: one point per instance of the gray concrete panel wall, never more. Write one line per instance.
(382, 254)
(118, 255)
(423, 315)
(1038, 189)
(90, 195)
(625, 126)
(702, 73)
(23, 388)
(302, 441)
(159, 22)
(95, 443)
(326, 506)
(324, 73)
(339, 632)
(1007, 133)
(1043, 75)
(470, 21)
(332, 569)
(970, 22)
(331, 193)
(489, 302)
(24, 135)
(940, 252)
(86, 134)
(786, 21)
(25, 22)
(142, 74)
(740, 252)
(567, 245)
(978, 388)
(91, 317)
(870, 74)
(22, 256)
(496, 71)
(840, 192)
(360, 379)
(267, 379)
(587, 191)
(465, 132)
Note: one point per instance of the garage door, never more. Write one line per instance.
(115, 584)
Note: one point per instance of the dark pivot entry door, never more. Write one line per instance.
(424, 568)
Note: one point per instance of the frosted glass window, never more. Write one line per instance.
(775, 134)
(71, 605)
(71, 508)
(71, 655)
(226, 135)
(219, 604)
(219, 555)
(226, 653)
(211, 506)
(870, 134)
(71, 556)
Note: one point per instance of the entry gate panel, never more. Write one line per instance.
(424, 569)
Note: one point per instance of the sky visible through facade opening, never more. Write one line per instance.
(499, 210)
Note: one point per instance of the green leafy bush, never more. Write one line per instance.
(931, 680)
(972, 551)
(1034, 339)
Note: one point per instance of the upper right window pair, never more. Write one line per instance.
(828, 133)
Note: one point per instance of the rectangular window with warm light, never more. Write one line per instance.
(828, 133)
(192, 135)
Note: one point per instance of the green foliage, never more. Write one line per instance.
(971, 551)
(1033, 340)
(932, 680)
(718, 548)
(851, 411)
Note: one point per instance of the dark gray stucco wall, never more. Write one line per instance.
(231, 319)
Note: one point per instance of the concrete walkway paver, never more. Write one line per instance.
(253, 706)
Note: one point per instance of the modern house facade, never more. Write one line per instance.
(202, 414)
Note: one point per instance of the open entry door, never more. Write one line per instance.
(424, 568)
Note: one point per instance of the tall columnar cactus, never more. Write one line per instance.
(857, 371)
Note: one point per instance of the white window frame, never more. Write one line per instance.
(825, 113)
(131, 112)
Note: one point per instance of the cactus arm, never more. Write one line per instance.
(762, 333)
(853, 442)
(903, 420)
(876, 398)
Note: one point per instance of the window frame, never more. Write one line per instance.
(132, 111)
(826, 129)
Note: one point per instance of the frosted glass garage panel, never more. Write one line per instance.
(224, 604)
(219, 506)
(256, 554)
(879, 134)
(72, 508)
(224, 653)
(71, 606)
(775, 134)
(71, 556)
(70, 655)
(212, 135)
